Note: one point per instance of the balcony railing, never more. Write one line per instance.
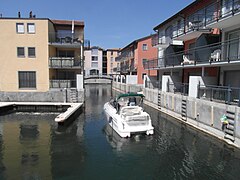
(178, 87)
(216, 53)
(64, 62)
(125, 68)
(56, 83)
(229, 7)
(224, 94)
(116, 69)
(66, 38)
(153, 84)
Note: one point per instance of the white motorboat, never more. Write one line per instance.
(126, 116)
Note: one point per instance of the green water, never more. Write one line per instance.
(32, 146)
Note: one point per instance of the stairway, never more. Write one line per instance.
(229, 131)
(184, 109)
(73, 95)
(159, 100)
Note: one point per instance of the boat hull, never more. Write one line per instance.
(123, 128)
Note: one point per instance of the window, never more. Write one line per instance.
(31, 52)
(20, 52)
(144, 47)
(20, 28)
(111, 59)
(94, 58)
(30, 27)
(94, 51)
(27, 79)
(63, 53)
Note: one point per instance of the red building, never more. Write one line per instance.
(133, 56)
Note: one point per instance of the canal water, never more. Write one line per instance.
(32, 146)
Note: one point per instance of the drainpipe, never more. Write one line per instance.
(203, 71)
(65, 90)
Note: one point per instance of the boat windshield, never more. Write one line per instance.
(130, 101)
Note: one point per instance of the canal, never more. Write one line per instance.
(32, 146)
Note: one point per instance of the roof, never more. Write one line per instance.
(130, 94)
(136, 41)
(67, 22)
(176, 15)
(57, 22)
(114, 49)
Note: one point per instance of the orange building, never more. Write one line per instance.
(134, 55)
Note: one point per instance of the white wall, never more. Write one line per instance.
(131, 79)
(194, 81)
(88, 61)
(171, 79)
(79, 81)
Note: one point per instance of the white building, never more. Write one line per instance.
(93, 61)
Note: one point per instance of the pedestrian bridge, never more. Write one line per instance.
(98, 79)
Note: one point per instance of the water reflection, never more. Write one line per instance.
(32, 146)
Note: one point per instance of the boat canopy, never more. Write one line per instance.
(130, 95)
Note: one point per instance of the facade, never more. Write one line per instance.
(99, 61)
(202, 40)
(39, 54)
(133, 56)
(93, 61)
(113, 67)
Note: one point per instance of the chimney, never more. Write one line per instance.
(19, 14)
(30, 14)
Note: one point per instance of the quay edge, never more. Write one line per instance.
(202, 115)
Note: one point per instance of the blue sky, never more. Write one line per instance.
(108, 23)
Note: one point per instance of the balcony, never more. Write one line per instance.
(116, 69)
(125, 68)
(229, 14)
(57, 83)
(214, 54)
(162, 41)
(64, 62)
(151, 64)
(65, 40)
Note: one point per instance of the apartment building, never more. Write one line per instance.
(203, 40)
(134, 55)
(93, 61)
(39, 54)
(113, 67)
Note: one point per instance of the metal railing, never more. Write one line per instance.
(215, 53)
(153, 84)
(64, 62)
(98, 77)
(68, 37)
(200, 20)
(116, 69)
(224, 94)
(161, 40)
(55, 83)
(178, 87)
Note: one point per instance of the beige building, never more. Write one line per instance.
(38, 54)
(112, 65)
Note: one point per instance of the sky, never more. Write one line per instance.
(108, 23)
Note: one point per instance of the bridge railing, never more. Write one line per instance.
(98, 77)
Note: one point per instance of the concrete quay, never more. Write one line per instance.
(200, 114)
(71, 108)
